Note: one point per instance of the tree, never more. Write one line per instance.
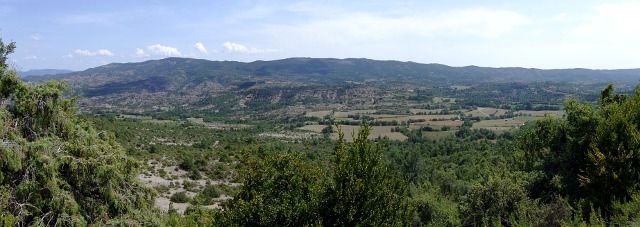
(595, 149)
(613, 157)
(278, 189)
(364, 192)
(281, 189)
(55, 168)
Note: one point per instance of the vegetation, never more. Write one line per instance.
(55, 169)
(281, 189)
(593, 150)
(266, 152)
(180, 197)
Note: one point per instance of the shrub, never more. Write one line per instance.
(162, 188)
(211, 191)
(195, 175)
(180, 197)
(189, 185)
(162, 173)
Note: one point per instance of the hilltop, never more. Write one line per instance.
(237, 89)
(179, 72)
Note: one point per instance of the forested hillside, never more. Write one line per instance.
(318, 142)
(182, 71)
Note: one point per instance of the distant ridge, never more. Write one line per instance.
(199, 77)
(43, 72)
(226, 85)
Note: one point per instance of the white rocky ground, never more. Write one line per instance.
(153, 179)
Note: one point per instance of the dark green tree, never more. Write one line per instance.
(279, 189)
(55, 169)
(363, 191)
(592, 157)
(613, 156)
(494, 203)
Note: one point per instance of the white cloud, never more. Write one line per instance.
(67, 56)
(163, 50)
(85, 52)
(36, 36)
(346, 28)
(201, 47)
(239, 48)
(105, 52)
(31, 57)
(141, 53)
(101, 52)
(612, 22)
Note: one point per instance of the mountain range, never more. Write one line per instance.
(170, 73)
(43, 72)
(170, 82)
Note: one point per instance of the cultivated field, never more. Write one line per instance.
(502, 125)
(498, 125)
(441, 99)
(313, 128)
(494, 111)
(553, 113)
(425, 110)
(450, 123)
(476, 113)
(377, 131)
(319, 114)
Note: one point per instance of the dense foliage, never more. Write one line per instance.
(60, 168)
(592, 157)
(281, 189)
(56, 169)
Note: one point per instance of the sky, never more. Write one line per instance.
(547, 34)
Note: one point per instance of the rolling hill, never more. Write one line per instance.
(184, 82)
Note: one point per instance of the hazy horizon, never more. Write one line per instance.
(78, 35)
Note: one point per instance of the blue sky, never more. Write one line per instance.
(538, 34)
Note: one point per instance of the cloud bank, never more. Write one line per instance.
(164, 50)
(100, 52)
(239, 48)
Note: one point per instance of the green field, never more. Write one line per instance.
(541, 113)
(425, 110)
(319, 114)
(377, 131)
(438, 135)
(441, 100)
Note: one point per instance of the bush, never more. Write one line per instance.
(207, 196)
(195, 175)
(187, 164)
(189, 185)
(180, 197)
(162, 173)
(211, 191)
(494, 202)
(162, 188)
